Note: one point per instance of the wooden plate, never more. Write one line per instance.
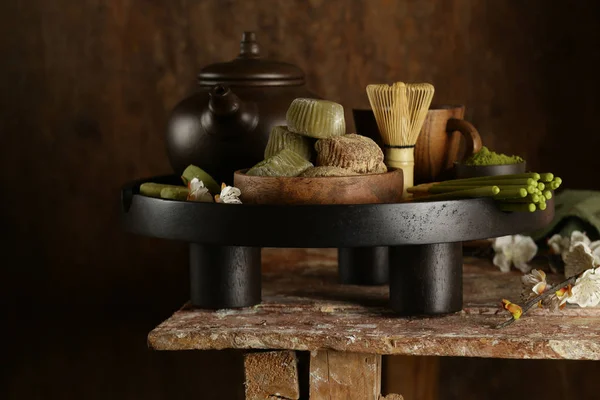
(356, 189)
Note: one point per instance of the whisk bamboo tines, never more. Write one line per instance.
(400, 110)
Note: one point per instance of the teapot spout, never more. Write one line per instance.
(223, 101)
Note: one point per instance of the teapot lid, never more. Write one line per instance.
(249, 69)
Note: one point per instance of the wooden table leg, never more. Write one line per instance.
(338, 375)
(271, 375)
(414, 376)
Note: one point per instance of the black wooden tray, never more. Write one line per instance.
(424, 241)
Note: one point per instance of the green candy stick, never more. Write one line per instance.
(483, 191)
(530, 198)
(447, 188)
(546, 177)
(499, 180)
(174, 193)
(152, 189)
(193, 171)
(511, 193)
(555, 184)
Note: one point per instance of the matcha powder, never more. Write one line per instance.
(487, 157)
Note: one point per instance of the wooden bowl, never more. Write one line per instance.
(463, 171)
(356, 189)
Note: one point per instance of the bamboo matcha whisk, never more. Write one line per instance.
(400, 110)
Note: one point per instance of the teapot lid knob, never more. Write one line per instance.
(248, 46)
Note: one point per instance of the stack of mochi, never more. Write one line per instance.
(314, 144)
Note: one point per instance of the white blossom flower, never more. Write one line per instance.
(559, 298)
(595, 248)
(562, 244)
(586, 290)
(229, 195)
(198, 192)
(534, 283)
(579, 237)
(578, 259)
(559, 244)
(517, 250)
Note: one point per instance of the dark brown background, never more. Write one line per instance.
(86, 88)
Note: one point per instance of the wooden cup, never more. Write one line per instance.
(439, 144)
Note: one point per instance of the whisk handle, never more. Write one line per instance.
(469, 132)
(402, 157)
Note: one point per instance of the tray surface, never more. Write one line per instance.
(321, 225)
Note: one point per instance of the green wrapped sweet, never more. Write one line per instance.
(174, 193)
(193, 171)
(284, 163)
(152, 189)
(319, 119)
(281, 138)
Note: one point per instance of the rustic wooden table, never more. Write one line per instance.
(347, 329)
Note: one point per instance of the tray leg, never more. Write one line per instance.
(426, 279)
(224, 276)
(363, 265)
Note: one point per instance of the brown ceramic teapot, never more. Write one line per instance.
(225, 125)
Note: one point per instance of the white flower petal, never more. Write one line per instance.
(534, 277)
(198, 192)
(231, 191)
(525, 249)
(559, 244)
(522, 266)
(533, 284)
(586, 290)
(539, 274)
(579, 237)
(230, 195)
(517, 250)
(230, 200)
(502, 262)
(501, 242)
(595, 248)
(594, 245)
(578, 259)
(195, 184)
(522, 250)
(589, 274)
(563, 299)
(539, 287)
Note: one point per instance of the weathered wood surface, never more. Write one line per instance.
(345, 376)
(271, 375)
(304, 308)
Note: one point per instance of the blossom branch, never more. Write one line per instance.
(535, 300)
